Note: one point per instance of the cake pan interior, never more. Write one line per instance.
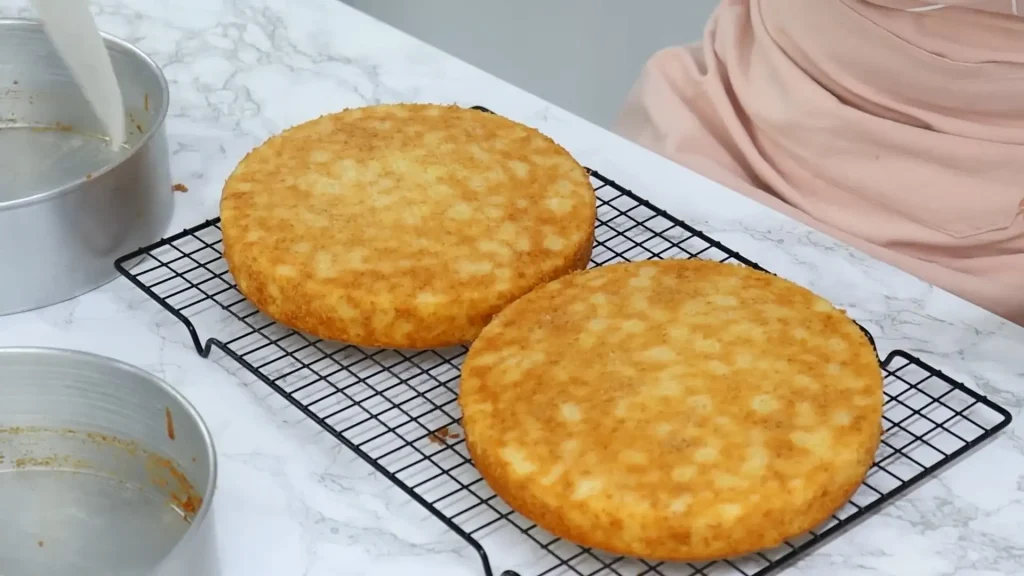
(49, 136)
(103, 469)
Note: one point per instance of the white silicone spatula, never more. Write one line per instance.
(72, 30)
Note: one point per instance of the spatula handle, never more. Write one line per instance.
(72, 29)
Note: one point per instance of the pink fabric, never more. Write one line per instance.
(901, 133)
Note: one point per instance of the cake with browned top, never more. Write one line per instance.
(677, 410)
(403, 226)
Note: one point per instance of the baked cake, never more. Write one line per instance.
(403, 226)
(678, 410)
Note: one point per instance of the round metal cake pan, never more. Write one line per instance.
(69, 204)
(104, 470)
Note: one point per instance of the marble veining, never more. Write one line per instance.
(292, 500)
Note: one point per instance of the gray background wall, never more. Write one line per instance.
(582, 55)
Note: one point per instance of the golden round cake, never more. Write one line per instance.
(403, 226)
(676, 410)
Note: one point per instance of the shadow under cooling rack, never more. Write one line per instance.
(397, 410)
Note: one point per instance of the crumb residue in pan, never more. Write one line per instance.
(170, 423)
(40, 543)
(56, 127)
(55, 461)
(161, 472)
(179, 187)
(145, 101)
(135, 123)
(166, 476)
(129, 446)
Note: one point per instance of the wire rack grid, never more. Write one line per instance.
(397, 410)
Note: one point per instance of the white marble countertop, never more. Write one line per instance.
(292, 500)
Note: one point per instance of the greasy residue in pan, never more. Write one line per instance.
(161, 473)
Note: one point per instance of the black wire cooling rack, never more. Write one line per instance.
(397, 410)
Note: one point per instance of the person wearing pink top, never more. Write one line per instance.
(896, 126)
